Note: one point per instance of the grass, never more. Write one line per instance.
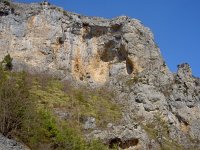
(80, 103)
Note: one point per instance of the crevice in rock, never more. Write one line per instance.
(129, 66)
(182, 120)
(122, 53)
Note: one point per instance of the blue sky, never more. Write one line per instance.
(175, 23)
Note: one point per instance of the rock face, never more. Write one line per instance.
(119, 53)
(7, 144)
(42, 38)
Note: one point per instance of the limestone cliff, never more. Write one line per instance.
(49, 39)
(119, 53)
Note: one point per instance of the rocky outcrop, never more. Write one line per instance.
(43, 38)
(126, 136)
(8, 144)
(119, 53)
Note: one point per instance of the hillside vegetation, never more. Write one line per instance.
(28, 104)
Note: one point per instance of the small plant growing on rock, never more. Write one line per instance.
(136, 79)
(7, 62)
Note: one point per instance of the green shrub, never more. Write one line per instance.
(7, 62)
(46, 129)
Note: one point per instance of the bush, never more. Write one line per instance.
(47, 130)
(7, 62)
(14, 102)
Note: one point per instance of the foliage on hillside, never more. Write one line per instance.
(27, 105)
(80, 103)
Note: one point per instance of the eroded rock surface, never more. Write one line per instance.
(119, 53)
(43, 38)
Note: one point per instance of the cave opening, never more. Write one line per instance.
(108, 54)
(129, 66)
(115, 143)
